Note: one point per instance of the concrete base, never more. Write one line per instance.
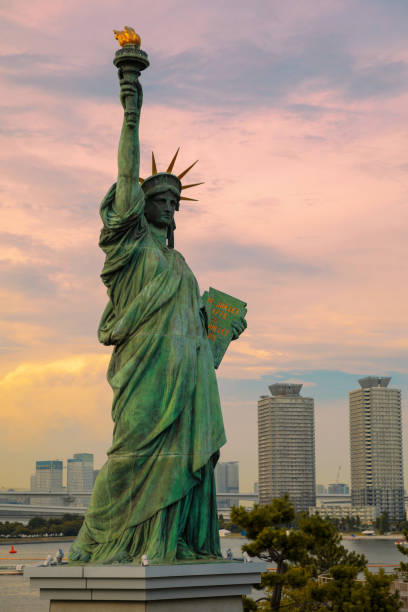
(198, 587)
(216, 604)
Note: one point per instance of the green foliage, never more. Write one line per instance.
(326, 550)
(344, 593)
(36, 522)
(68, 525)
(223, 524)
(339, 590)
(271, 539)
(314, 571)
(383, 523)
(249, 605)
(373, 595)
(401, 526)
(403, 548)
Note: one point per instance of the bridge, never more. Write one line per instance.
(18, 506)
(20, 495)
(22, 513)
(23, 505)
(25, 496)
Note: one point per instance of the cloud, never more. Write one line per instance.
(23, 243)
(314, 52)
(383, 79)
(23, 61)
(200, 77)
(54, 409)
(230, 255)
(27, 279)
(294, 111)
(81, 369)
(58, 76)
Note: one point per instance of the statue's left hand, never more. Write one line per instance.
(237, 327)
(130, 86)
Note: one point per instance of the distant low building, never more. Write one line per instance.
(366, 514)
(321, 489)
(227, 481)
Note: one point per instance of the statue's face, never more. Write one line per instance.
(159, 209)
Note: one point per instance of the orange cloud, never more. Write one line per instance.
(53, 409)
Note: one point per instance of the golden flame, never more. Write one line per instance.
(127, 37)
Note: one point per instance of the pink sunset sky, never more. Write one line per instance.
(298, 114)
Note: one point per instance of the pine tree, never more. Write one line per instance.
(314, 571)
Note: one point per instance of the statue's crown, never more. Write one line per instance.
(162, 181)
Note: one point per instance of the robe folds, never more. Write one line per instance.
(155, 495)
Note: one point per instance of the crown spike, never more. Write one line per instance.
(154, 167)
(192, 185)
(180, 176)
(190, 199)
(171, 165)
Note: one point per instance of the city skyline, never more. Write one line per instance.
(334, 448)
(338, 445)
(49, 474)
(302, 213)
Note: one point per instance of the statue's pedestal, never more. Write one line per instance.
(198, 587)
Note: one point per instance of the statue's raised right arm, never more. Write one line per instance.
(127, 188)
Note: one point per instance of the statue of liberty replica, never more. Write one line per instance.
(155, 495)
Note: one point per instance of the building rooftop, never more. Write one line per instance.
(285, 388)
(374, 381)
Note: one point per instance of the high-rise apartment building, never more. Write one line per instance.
(376, 447)
(47, 477)
(227, 481)
(286, 446)
(74, 476)
(80, 473)
(87, 460)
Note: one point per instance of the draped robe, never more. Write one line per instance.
(155, 495)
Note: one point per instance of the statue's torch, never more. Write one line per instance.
(130, 60)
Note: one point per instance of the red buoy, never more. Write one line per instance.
(12, 550)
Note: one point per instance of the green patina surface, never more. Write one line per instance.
(155, 495)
